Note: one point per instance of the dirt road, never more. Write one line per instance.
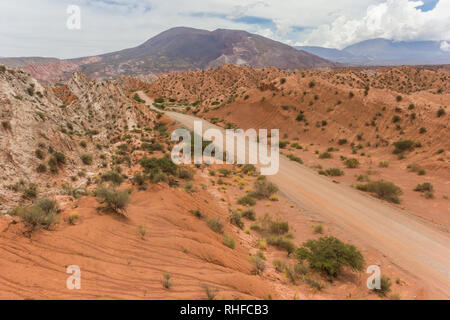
(416, 247)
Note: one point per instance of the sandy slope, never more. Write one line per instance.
(415, 247)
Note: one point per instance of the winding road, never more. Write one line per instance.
(419, 248)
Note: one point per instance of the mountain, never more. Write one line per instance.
(385, 52)
(178, 49)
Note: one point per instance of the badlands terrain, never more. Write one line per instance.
(141, 227)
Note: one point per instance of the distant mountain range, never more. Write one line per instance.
(177, 49)
(385, 52)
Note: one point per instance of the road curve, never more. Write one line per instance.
(418, 248)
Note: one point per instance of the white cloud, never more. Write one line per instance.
(445, 46)
(394, 19)
(38, 27)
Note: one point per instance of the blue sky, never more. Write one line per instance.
(38, 27)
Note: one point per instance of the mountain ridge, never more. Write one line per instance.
(177, 49)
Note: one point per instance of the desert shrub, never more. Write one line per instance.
(383, 189)
(139, 180)
(329, 255)
(228, 241)
(294, 158)
(281, 243)
(318, 229)
(279, 265)
(311, 84)
(258, 264)
(396, 118)
(215, 225)
(42, 168)
(189, 187)
(137, 98)
(141, 230)
(59, 157)
(159, 100)
(383, 164)
(404, 145)
(6, 125)
(249, 214)
(440, 112)
(86, 159)
(165, 164)
(351, 163)
(83, 144)
(166, 282)
(248, 169)
(283, 144)
(159, 177)
(332, 172)
(422, 130)
(39, 154)
(279, 227)
(351, 94)
(211, 293)
(426, 186)
(325, 155)
(112, 176)
(342, 141)
(185, 173)
(30, 191)
(300, 117)
(2, 68)
(225, 172)
(235, 219)
(151, 147)
(42, 214)
(247, 201)
(264, 188)
(114, 200)
(73, 218)
(197, 213)
(385, 286)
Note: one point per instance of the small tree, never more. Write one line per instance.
(114, 200)
(329, 255)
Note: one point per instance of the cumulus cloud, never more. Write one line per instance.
(30, 27)
(399, 20)
(445, 46)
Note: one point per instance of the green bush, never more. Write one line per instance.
(228, 241)
(247, 201)
(279, 227)
(59, 157)
(86, 159)
(42, 214)
(440, 112)
(114, 200)
(351, 163)
(249, 214)
(263, 188)
(235, 219)
(112, 176)
(424, 187)
(383, 189)
(282, 244)
(385, 286)
(165, 165)
(332, 172)
(404, 145)
(294, 158)
(329, 255)
(258, 264)
(215, 225)
(325, 155)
